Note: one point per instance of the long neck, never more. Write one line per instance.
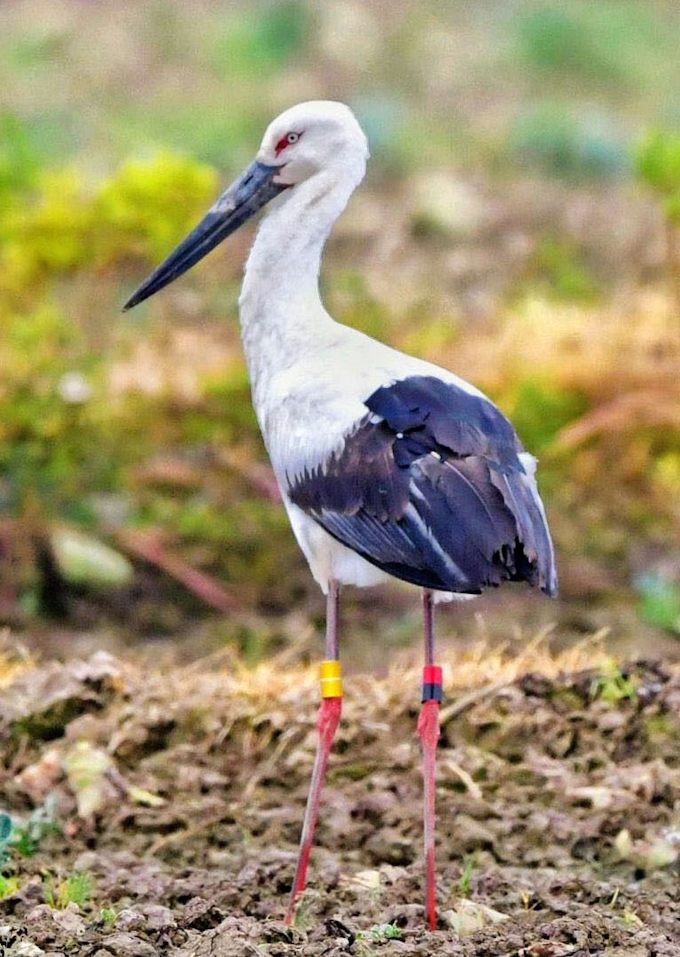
(280, 307)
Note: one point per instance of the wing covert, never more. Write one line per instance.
(434, 491)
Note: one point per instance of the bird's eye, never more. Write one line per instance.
(290, 139)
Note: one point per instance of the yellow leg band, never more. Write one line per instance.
(331, 679)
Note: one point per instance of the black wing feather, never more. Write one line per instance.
(434, 492)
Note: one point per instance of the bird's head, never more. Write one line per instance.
(310, 138)
(313, 137)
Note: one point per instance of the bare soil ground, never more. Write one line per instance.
(179, 793)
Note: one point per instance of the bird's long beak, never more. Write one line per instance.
(238, 203)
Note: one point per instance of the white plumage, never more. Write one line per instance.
(388, 465)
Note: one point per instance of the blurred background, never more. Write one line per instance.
(519, 224)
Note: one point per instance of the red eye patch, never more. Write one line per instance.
(288, 140)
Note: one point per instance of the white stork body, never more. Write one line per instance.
(308, 408)
(388, 465)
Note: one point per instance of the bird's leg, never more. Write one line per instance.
(428, 729)
(326, 723)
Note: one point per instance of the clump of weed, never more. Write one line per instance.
(466, 876)
(74, 888)
(376, 935)
(612, 686)
(25, 837)
(9, 883)
(28, 836)
(109, 916)
(303, 909)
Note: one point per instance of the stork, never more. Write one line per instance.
(387, 464)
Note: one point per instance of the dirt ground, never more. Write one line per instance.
(169, 803)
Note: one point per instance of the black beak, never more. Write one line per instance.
(238, 203)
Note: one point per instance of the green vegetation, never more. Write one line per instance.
(381, 932)
(659, 599)
(74, 888)
(22, 839)
(560, 271)
(62, 442)
(302, 917)
(466, 876)
(109, 915)
(657, 158)
(59, 434)
(9, 883)
(25, 840)
(554, 139)
(113, 423)
(58, 225)
(606, 43)
(540, 409)
(28, 836)
(6, 828)
(261, 40)
(377, 934)
(612, 686)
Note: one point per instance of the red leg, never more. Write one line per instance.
(428, 729)
(327, 722)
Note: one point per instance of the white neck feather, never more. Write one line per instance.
(280, 307)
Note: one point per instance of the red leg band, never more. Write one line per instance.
(432, 683)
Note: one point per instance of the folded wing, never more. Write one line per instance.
(433, 486)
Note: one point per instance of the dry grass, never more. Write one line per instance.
(14, 658)
(254, 692)
(604, 350)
